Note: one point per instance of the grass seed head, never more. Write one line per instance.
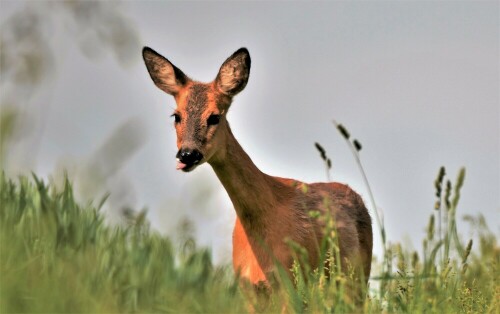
(467, 252)
(430, 228)
(321, 150)
(343, 131)
(447, 194)
(357, 145)
(438, 183)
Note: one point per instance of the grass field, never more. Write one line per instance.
(58, 256)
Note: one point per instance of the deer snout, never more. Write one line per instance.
(187, 158)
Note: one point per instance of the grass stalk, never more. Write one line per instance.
(355, 147)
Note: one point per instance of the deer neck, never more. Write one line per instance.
(253, 193)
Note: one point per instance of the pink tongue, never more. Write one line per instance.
(180, 165)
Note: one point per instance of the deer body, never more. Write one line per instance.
(270, 210)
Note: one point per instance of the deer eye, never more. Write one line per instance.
(177, 118)
(213, 119)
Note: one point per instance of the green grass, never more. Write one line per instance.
(57, 256)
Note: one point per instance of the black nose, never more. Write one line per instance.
(189, 156)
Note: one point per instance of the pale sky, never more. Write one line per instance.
(416, 82)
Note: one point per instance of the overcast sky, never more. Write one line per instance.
(416, 82)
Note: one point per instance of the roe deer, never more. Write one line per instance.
(269, 209)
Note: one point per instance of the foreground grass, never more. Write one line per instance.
(57, 257)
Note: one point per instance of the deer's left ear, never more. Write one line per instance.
(234, 72)
(165, 75)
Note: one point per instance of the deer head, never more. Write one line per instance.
(200, 116)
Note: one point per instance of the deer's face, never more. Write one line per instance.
(200, 116)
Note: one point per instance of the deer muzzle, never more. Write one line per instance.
(188, 158)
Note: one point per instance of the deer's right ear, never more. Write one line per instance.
(165, 75)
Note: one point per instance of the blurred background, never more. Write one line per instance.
(417, 83)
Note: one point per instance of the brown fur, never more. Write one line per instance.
(270, 210)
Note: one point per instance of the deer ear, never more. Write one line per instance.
(165, 75)
(234, 72)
